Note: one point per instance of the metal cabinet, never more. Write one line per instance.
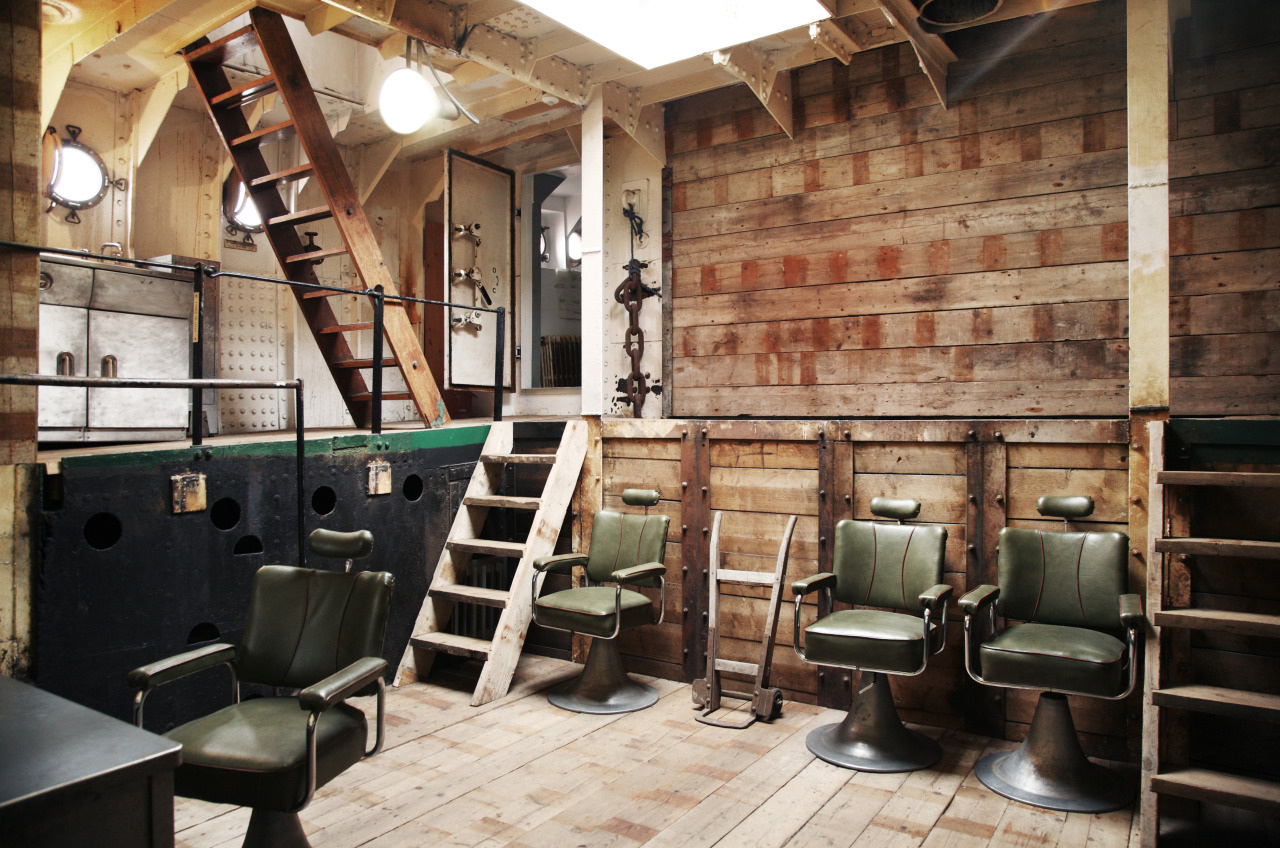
(106, 320)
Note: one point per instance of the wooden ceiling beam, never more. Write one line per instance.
(325, 17)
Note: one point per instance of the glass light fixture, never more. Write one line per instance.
(407, 100)
(653, 33)
(78, 178)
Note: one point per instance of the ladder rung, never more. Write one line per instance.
(246, 93)
(486, 546)
(472, 595)
(279, 178)
(460, 646)
(303, 216)
(520, 458)
(345, 328)
(311, 294)
(265, 135)
(502, 501)
(365, 397)
(362, 363)
(1246, 793)
(311, 256)
(736, 667)
(1219, 700)
(226, 48)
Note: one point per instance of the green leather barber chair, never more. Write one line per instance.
(896, 568)
(626, 549)
(315, 634)
(1077, 635)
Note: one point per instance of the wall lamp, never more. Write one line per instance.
(407, 100)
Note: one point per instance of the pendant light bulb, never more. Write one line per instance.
(407, 101)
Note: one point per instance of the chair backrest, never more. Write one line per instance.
(887, 565)
(1072, 578)
(619, 540)
(304, 625)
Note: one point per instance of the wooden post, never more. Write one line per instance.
(695, 526)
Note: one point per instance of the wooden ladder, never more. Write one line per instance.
(225, 103)
(1173, 691)
(516, 603)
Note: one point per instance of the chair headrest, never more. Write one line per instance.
(331, 543)
(1065, 506)
(640, 497)
(899, 508)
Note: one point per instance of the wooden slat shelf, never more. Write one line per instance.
(1239, 623)
(1219, 547)
(1249, 793)
(1235, 703)
(486, 546)
(520, 458)
(502, 501)
(459, 646)
(496, 598)
(1218, 478)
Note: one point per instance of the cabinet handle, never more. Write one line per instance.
(66, 364)
(110, 365)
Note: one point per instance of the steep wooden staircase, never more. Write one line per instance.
(449, 585)
(225, 103)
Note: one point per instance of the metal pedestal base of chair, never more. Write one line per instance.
(1049, 769)
(872, 737)
(272, 829)
(603, 688)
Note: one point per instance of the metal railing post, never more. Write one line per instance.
(375, 411)
(197, 354)
(498, 363)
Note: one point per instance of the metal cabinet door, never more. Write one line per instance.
(64, 335)
(480, 253)
(144, 347)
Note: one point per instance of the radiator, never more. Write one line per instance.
(561, 361)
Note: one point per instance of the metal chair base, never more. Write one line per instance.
(272, 829)
(1049, 769)
(872, 737)
(603, 688)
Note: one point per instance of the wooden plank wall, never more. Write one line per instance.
(1224, 194)
(902, 259)
(973, 477)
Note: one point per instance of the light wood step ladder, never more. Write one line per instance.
(1173, 692)
(516, 603)
(225, 103)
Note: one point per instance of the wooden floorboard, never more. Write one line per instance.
(520, 772)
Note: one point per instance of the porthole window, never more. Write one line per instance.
(239, 210)
(78, 177)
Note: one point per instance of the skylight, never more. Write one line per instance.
(653, 33)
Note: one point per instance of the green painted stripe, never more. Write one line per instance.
(401, 440)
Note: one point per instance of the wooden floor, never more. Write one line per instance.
(521, 772)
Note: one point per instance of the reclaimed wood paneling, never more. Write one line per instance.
(899, 259)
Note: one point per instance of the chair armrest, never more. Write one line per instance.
(977, 599)
(342, 684)
(1131, 611)
(180, 665)
(939, 594)
(638, 572)
(559, 562)
(812, 583)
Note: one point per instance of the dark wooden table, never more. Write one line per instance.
(71, 776)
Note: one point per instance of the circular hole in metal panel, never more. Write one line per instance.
(203, 632)
(323, 500)
(102, 531)
(225, 513)
(247, 545)
(412, 487)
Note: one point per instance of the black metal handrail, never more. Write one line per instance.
(196, 385)
(376, 295)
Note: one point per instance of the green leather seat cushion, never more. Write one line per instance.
(590, 610)
(866, 638)
(1055, 657)
(254, 753)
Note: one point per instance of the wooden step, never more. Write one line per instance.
(225, 49)
(246, 93)
(459, 646)
(362, 363)
(1219, 547)
(313, 293)
(1235, 703)
(303, 216)
(486, 546)
(519, 458)
(1239, 623)
(461, 593)
(502, 501)
(1218, 478)
(365, 397)
(314, 255)
(279, 178)
(345, 328)
(1246, 793)
(265, 135)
